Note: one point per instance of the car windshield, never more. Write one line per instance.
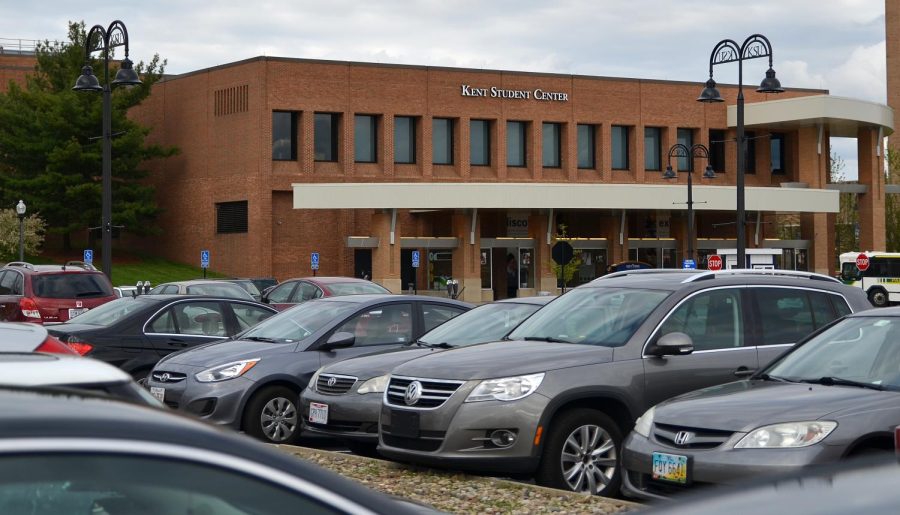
(248, 286)
(591, 316)
(71, 286)
(356, 288)
(219, 290)
(863, 350)
(109, 313)
(486, 323)
(298, 323)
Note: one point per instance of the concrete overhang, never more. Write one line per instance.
(441, 195)
(842, 116)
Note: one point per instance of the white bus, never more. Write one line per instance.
(881, 281)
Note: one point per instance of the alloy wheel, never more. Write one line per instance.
(588, 459)
(278, 419)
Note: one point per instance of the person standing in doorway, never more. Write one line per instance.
(512, 276)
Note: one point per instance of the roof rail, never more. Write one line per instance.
(80, 264)
(647, 271)
(759, 271)
(23, 264)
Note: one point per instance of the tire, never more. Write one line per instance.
(368, 450)
(878, 297)
(568, 464)
(272, 415)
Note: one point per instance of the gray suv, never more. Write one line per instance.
(555, 402)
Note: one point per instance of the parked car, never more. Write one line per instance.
(62, 454)
(253, 382)
(212, 287)
(295, 291)
(343, 399)
(556, 402)
(126, 291)
(24, 337)
(134, 333)
(262, 283)
(249, 286)
(832, 397)
(51, 293)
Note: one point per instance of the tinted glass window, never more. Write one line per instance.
(111, 312)
(71, 286)
(219, 290)
(777, 154)
(326, 136)
(404, 139)
(480, 142)
(786, 315)
(248, 316)
(360, 288)
(305, 291)
(619, 147)
(364, 138)
(486, 323)
(7, 282)
(823, 312)
(717, 150)
(199, 318)
(652, 148)
(164, 323)
(515, 143)
(84, 483)
(442, 141)
(284, 136)
(298, 323)
(435, 314)
(840, 305)
(712, 319)
(282, 292)
(686, 138)
(551, 148)
(586, 146)
(381, 325)
(750, 154)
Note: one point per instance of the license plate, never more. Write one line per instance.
(75, 312)
(405, 424)
(670, 467)
(318, 413)
(159, 393)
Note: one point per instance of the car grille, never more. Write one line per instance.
(161, 376)
(347, 426)
(434, 392)
(333, 384)
(413, 444)
(697, 438)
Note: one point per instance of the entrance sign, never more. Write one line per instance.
(714, 262)
(862, 262)
(415, 259)
(314, 260)
(689, 264)
(88, 256)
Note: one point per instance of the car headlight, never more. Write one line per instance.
(374, 385)
(787, 435)
(315, 379)
(645, 422)
(226, 371)
(506, 388)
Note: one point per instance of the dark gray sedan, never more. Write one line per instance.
(253, 381)
(835, 396)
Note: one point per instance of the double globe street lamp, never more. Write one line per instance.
(104, 40)
(683, 151)
(728, 51)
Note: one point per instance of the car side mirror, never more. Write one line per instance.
(339, 340)
(673, 344)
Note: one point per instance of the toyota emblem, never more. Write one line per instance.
(684, 437)
(332, 381)
(164, 378)
(413, 393)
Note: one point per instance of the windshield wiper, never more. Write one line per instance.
(442, 345)
(767, 377)
(259, 339)
(837, 381)
(545, 339)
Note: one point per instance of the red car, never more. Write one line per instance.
(51, 293)
(294, 291)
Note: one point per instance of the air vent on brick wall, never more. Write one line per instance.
(232, 100)
(231, 217)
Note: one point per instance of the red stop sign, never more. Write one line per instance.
(862, 262)
(714, 262)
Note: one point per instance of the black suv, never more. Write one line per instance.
(556, 401)
(51, 293)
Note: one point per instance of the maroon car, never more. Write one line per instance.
(294, 291)
(51, 293)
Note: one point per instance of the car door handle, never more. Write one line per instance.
(744, 372)
(178, 343)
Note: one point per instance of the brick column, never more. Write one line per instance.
(871, 204)
(814, 228)
(386, 258)
(467, 257)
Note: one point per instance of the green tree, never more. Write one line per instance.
(847, 219)
(892, 202)
(33, 228)
(50, 152)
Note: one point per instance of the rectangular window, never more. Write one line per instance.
(365, 136)
(284, 136)
(686, 138)
(551, 148)
(619, 147)
(404, 139)
(326, 136)
(587, 146)
(515, 143)
(750, 154)
(777, 151)
(652, 148)
(231, 217)
(717, 150)
(442, 141)
(480, 142)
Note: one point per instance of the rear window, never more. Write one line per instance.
(356, 288)
(220, 290)
(71, 286)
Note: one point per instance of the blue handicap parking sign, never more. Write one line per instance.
(415, 259)
(204, 259)
(689, 263)
(314, 260)
(88, 256)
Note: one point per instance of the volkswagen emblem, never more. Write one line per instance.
(684, 437)
(413, 393)
(332, 381)
(165, 377)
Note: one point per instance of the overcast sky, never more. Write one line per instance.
(829, 44)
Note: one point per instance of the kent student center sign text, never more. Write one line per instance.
(521, 94)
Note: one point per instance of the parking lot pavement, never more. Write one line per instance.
(455, 492)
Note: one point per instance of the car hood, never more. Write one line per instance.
(746, 405)
(376, 364)
(503, 359)
(225, 351)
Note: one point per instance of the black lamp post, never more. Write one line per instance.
(20, 211)
(104, 40)
(696, 150)
(728, 51)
